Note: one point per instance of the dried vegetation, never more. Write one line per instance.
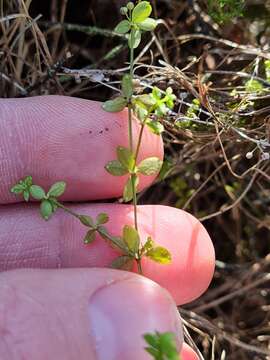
(217, 138)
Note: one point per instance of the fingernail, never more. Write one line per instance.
(122, 312)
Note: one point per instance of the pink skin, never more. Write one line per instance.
(59, 138)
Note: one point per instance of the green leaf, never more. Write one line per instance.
(154, 352)
(28, 181)
(141, 11)
(160, 255)
(127, 87)
(86, 220)
(162, 346)
(147, 100)
(115, 168)
(102, 218)
(54, 205)
(115, 241)
(150, 166)
(90, 236)
(148, 24)
(141, 113)
(134, 39)
(128, 192)
(123, 262)
(131, 238)
(17, 189)
(126, 158)
(152, 340)
(57, 189)
(167, 345)
(46, 209)
(123, 27)
(115, 105)
(26, 195)
(148, 245)
(155, 126)
(37, 192)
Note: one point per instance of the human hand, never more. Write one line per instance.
(74, 308)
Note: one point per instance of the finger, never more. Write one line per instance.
(187, 353)
(57, 138)
(28, 241)
(93, 314)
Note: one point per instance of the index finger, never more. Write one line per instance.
(57, 138)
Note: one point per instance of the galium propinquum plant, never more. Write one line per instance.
(148, 109)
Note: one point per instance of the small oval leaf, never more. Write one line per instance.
(126, 157)
(26, 195)
(102, 218)
(155, 126)
(134, 39)
(150, 166)
(123, 263)
(123, 27)
(57, 189)
(128, 192)
(86, 220)
(141, 11)
(127, 86)
(89, 237)
(160, 255)
(148, 24)
(115, 168)
(131, 238)
(17, 189)
(37, 192)
(46, 209)
(115, 105)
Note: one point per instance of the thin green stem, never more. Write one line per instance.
(130, 135)
(131, 66)
(139, 142)
(133, 177)
(130, 128)
(139, 266)
(66, 209)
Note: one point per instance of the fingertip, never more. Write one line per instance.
(193, 256)
(57, 138)
(187, 353)
(83, 313)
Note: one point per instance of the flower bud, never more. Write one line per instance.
(130, 5)
(123, 10)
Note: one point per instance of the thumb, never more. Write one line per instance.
(91, 314)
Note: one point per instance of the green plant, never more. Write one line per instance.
(225, 10)
(148, 109)
(161, 346)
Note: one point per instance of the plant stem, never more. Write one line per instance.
(101, 230)
(139, 142)
(133, 177)
(139, 266)
(130, 127)
(66, 209)
(131, 70)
